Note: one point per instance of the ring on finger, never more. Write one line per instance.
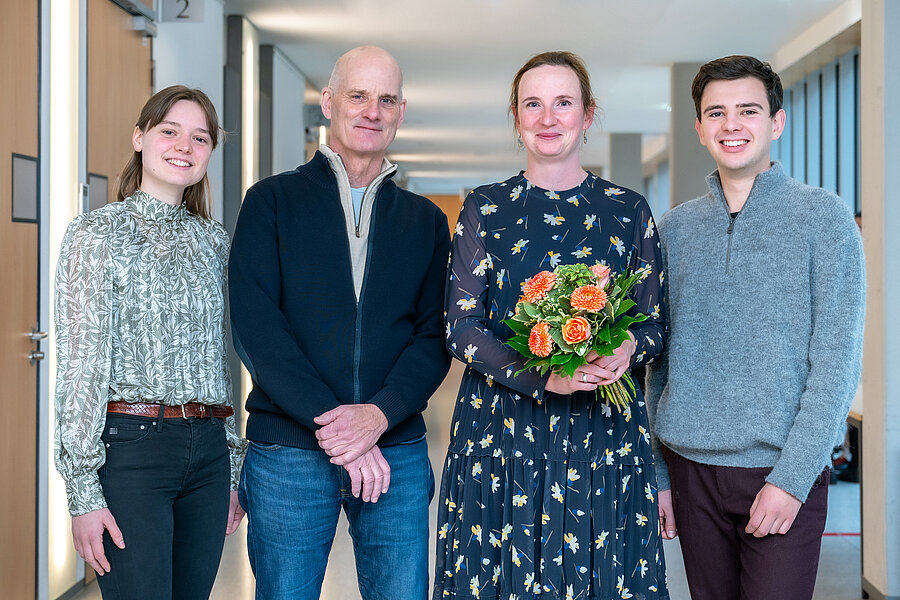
(584, 377)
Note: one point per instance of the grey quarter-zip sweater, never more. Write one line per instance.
(765, 317)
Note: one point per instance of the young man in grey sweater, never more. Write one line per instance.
(766, 300)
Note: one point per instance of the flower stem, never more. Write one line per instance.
(617, 394)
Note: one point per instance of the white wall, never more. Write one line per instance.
(193, 54)
(288, 87)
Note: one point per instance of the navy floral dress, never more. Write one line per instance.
(543, 495)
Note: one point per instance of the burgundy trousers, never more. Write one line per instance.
(722, 561)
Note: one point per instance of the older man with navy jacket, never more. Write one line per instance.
(336, 285)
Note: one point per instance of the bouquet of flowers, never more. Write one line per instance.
(564, 314)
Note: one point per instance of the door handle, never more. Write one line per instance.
(36, 337)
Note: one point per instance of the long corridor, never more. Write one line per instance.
(839, 568)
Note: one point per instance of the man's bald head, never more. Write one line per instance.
(365, 55)
(364, 102)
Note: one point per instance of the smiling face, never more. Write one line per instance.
(175, 152)
(736, 127)
(364, 103)
(550, 115)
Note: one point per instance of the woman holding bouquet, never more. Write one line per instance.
(548, 489)
(145, 437)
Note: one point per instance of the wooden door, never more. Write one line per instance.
(119, 82)
(18, 296)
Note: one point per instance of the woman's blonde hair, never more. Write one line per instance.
(196, 198)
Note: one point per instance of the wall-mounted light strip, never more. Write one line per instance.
(250, 106)
(249, 132)
(65, 24)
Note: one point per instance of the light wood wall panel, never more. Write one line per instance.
(119, 82)
(18, 304)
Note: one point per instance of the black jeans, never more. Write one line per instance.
(167, 485)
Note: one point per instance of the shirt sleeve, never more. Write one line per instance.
(469, 336)
(237, 446)
(83, 321)
(262, 335)
(838, 301)
(657, 380)
(650, 334)
(423, 364)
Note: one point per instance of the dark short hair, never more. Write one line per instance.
(738, 67)
(557, 58)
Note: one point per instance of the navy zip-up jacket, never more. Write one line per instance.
(297, 325)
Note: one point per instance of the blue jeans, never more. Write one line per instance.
(293, 498)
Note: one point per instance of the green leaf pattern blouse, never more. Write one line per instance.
(140, 317)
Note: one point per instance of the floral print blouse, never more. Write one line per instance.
(140, 317)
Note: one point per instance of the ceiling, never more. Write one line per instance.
(458, 59)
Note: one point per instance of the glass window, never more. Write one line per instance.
(820, 143)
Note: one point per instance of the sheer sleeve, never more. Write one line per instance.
(657, 380)
(470, 337)
(84, 307)
(649, 335)
(237, 446)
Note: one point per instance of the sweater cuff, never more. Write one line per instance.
(392, 405)
(797, 485)
(662, 473)
(85, 493)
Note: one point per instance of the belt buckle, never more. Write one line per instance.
(183, 415)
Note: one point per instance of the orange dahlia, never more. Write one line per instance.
(539, 341)
(576, 329)
(591, 298)
(535, 288)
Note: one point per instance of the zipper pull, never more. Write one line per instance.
(731, 225)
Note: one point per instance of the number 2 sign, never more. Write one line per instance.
(183, 11)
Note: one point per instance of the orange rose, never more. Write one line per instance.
(576, 329)
(601, 272)
(591, 298)
(539, 341)
(535, 288)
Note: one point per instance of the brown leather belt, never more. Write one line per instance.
(185, 411)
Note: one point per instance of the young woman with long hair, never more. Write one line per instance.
(145, 433)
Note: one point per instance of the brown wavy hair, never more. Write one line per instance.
(196, 198)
